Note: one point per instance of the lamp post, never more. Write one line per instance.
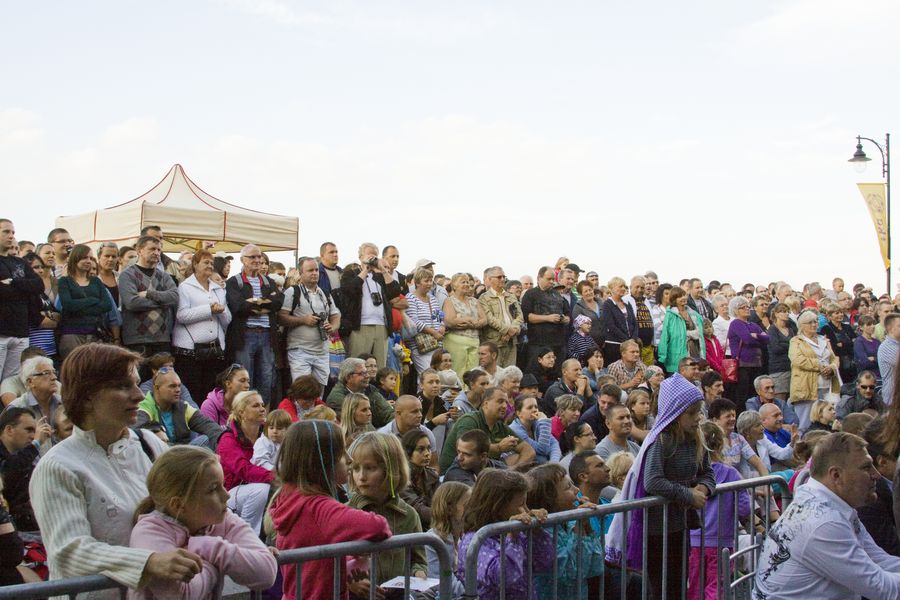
(859, 160)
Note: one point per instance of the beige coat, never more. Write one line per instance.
(805, 371)
(495, 330)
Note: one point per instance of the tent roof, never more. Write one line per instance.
(188, 216)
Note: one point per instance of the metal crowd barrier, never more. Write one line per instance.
(727, 581)
(77, 585)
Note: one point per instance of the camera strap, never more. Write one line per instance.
(326, 299)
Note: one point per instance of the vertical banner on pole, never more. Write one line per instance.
(874, 195)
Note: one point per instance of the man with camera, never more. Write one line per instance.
(310, 316)
(366, 296)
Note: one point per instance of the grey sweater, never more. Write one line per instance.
(147, 319)
(671, 471)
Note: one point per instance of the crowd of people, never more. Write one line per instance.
(203, 420)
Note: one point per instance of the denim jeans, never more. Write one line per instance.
(257, 357)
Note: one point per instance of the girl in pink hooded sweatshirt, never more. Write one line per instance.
(186, 512)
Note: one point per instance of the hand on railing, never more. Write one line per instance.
(528, 514)
(178, 565)
(698, 496)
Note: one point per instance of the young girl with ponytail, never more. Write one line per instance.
(187, 509)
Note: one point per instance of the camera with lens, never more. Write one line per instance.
(377, 300)
(372, 262)
(323, 318)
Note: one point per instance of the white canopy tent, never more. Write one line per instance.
(188, 217)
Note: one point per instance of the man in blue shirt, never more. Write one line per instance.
(772, 421)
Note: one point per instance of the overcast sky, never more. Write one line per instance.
(700, 138)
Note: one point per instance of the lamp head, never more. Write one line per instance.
(859, 159)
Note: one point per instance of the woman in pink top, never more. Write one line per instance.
(248, 484)
(305, 513)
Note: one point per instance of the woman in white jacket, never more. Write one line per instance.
(198, 340)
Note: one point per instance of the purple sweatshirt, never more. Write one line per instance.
(746, 348)
(725, 537)
(229, 548)
(516, 573)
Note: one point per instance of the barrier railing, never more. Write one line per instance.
(625, 575)
(78, 585)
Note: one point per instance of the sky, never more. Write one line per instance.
(700, 138)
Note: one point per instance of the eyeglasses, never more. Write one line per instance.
(359, 373)
(66, 241)
(867, 387)
(253, 256)
(691, 364)
(44, 373)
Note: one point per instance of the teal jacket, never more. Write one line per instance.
(673, 341)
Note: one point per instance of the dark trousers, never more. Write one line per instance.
(743, 389)
(199, 377)
(673, 559)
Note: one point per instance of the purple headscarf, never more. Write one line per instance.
(676, 395)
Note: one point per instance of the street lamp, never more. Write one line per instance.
(859, 161)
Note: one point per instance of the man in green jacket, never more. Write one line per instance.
(353, 378)
(163, 412)
(489, 418)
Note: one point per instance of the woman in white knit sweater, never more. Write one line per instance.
(85, 489)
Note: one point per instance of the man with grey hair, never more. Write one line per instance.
(353, 378)
(527, 282)
(765, 394)
(651, 284)
(254, 302)
(818, 548)
(310, 316)
(504, 316)
(366, 294)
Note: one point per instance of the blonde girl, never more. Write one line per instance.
(619, 464)
(306, 512)
(356, 416)
(447, 509)
(379, 472)
(186, 512)
(265, 449)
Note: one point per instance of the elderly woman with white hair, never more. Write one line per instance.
(814, 367)
(509, 379)
(42, 391)
(722, 321)
(746, 340)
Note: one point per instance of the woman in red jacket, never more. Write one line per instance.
(247, 484)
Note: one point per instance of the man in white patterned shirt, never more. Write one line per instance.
(818, 548)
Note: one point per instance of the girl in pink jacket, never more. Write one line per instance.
(186, 513)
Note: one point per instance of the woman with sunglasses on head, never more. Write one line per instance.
(229, 383)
